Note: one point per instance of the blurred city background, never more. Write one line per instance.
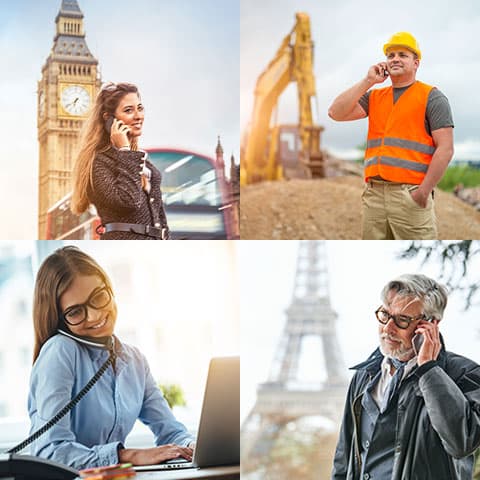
(184, 58)
(297, 345)
(178, 304)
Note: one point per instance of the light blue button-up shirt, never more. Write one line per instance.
(91, 433)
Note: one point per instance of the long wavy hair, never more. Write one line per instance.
(54, 277)
(94, 139)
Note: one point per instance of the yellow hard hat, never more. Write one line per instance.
(403, 39)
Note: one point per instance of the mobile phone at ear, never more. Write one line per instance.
(418, 339)
(108, 124)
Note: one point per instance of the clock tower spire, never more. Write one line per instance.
(70, 81)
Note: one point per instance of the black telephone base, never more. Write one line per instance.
(27, 467)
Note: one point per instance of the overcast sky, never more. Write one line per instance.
(183, 55)
(357, 273)
(348, 37)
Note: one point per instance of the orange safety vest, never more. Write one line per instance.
(399, 149)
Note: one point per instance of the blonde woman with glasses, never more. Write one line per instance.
(113, 174)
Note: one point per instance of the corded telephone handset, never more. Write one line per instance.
(25, 467)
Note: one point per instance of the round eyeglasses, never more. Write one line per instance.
(98, 299)
(401, 321)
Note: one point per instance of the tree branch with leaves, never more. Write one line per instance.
(456, 259)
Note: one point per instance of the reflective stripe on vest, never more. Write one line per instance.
(399, 149)
(398, 142)
(397, 162)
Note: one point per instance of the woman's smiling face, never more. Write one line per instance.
(87, 294)
(131, 112)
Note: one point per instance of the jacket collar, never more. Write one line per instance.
(372, 363)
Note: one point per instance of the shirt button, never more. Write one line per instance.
(366, 476)
(367, 444)
(157, 224)
(152, 200)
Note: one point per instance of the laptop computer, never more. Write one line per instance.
(218, 438)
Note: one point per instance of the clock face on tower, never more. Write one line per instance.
(75, 100)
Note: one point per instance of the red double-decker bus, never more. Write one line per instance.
(196, 196)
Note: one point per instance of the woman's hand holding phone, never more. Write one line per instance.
(119, 134)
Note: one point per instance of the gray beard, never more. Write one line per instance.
(400, 353)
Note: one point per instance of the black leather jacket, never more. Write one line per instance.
(118, 195)
(438, 420)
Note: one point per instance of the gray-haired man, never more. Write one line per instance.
(413, 409)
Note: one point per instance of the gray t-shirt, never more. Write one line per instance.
(438, 114)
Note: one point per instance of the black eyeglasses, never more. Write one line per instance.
(401, 321)
(98, 299)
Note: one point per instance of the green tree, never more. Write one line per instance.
(456, 258)
(361, 152)
(296, 452)
(173, 394)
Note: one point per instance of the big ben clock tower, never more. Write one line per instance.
(70, 81)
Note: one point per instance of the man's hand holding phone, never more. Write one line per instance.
(119, 134)
(377, 73)
(427, 337)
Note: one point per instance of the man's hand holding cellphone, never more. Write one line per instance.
(426, 341)
(377, 73)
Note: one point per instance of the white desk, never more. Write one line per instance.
(218, 473)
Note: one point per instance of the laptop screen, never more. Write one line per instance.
(218, 438)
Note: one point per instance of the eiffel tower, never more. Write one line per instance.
(284, 398)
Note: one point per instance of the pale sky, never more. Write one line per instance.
(357, 273)
(182, 54)
(348, 37)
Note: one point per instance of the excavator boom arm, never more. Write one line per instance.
(293, 61)
(271, 83)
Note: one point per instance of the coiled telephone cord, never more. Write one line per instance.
(66, 408)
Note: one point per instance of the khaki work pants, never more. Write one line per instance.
(390, 213)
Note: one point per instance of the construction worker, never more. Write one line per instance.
(409, 143)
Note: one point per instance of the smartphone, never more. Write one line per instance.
(108, 124)
(417, 340)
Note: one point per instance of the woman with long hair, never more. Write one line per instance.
(112, 174)
(74, 317)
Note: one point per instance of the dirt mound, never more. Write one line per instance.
(330, 208)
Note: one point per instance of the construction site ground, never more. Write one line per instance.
(330, 208)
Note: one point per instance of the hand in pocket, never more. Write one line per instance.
(419, 198)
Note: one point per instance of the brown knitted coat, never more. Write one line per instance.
(118, 195)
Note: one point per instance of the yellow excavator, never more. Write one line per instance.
(284, 151)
